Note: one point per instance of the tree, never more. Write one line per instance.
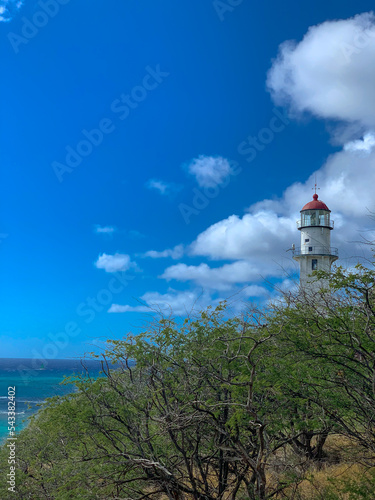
(333, 339)
(196, 417)
(213, 407)
(207, 412)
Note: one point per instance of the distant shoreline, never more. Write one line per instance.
(35, 380)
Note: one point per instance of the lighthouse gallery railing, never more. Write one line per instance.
(320, 223)
(315, 250)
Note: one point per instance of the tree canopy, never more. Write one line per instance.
(215, 407)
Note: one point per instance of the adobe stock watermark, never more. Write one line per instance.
(31, 27)
(258, 143)
(201, 197)
(223, 6)
(87, 310)
(361, 40)
(249, 148)
(122, 108)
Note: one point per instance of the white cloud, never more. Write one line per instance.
(209, 171)
(178, 303)
(160, 186)
(114, 263)
(258, 241)
(262, 236)
(330, 73)
(117, 308)
(163, 187)
(365, 145)
(104, 229)
(175, 253)
(8, 8)
(219, 278)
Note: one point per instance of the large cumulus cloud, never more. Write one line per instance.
(331, 72)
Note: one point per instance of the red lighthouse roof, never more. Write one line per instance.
(315, 205)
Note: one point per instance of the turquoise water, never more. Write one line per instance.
(34, 381)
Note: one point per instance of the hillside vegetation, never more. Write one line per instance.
(273, 404)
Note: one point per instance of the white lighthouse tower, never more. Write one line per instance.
(315, 251)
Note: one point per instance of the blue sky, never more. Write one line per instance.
(156, 154)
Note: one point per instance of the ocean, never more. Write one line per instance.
(34, 381)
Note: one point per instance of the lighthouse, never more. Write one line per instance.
(315, 252)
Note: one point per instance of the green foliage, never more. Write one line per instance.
(214, 406)
(334, 344)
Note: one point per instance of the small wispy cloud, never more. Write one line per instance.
(181, 303)
(175, 253)
(135, 235)
(104, 229)
(8, 8)
(209, 171)
(114, 263)
(164, 188)
(117, 308)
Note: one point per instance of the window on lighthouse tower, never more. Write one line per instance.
(314, 264)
